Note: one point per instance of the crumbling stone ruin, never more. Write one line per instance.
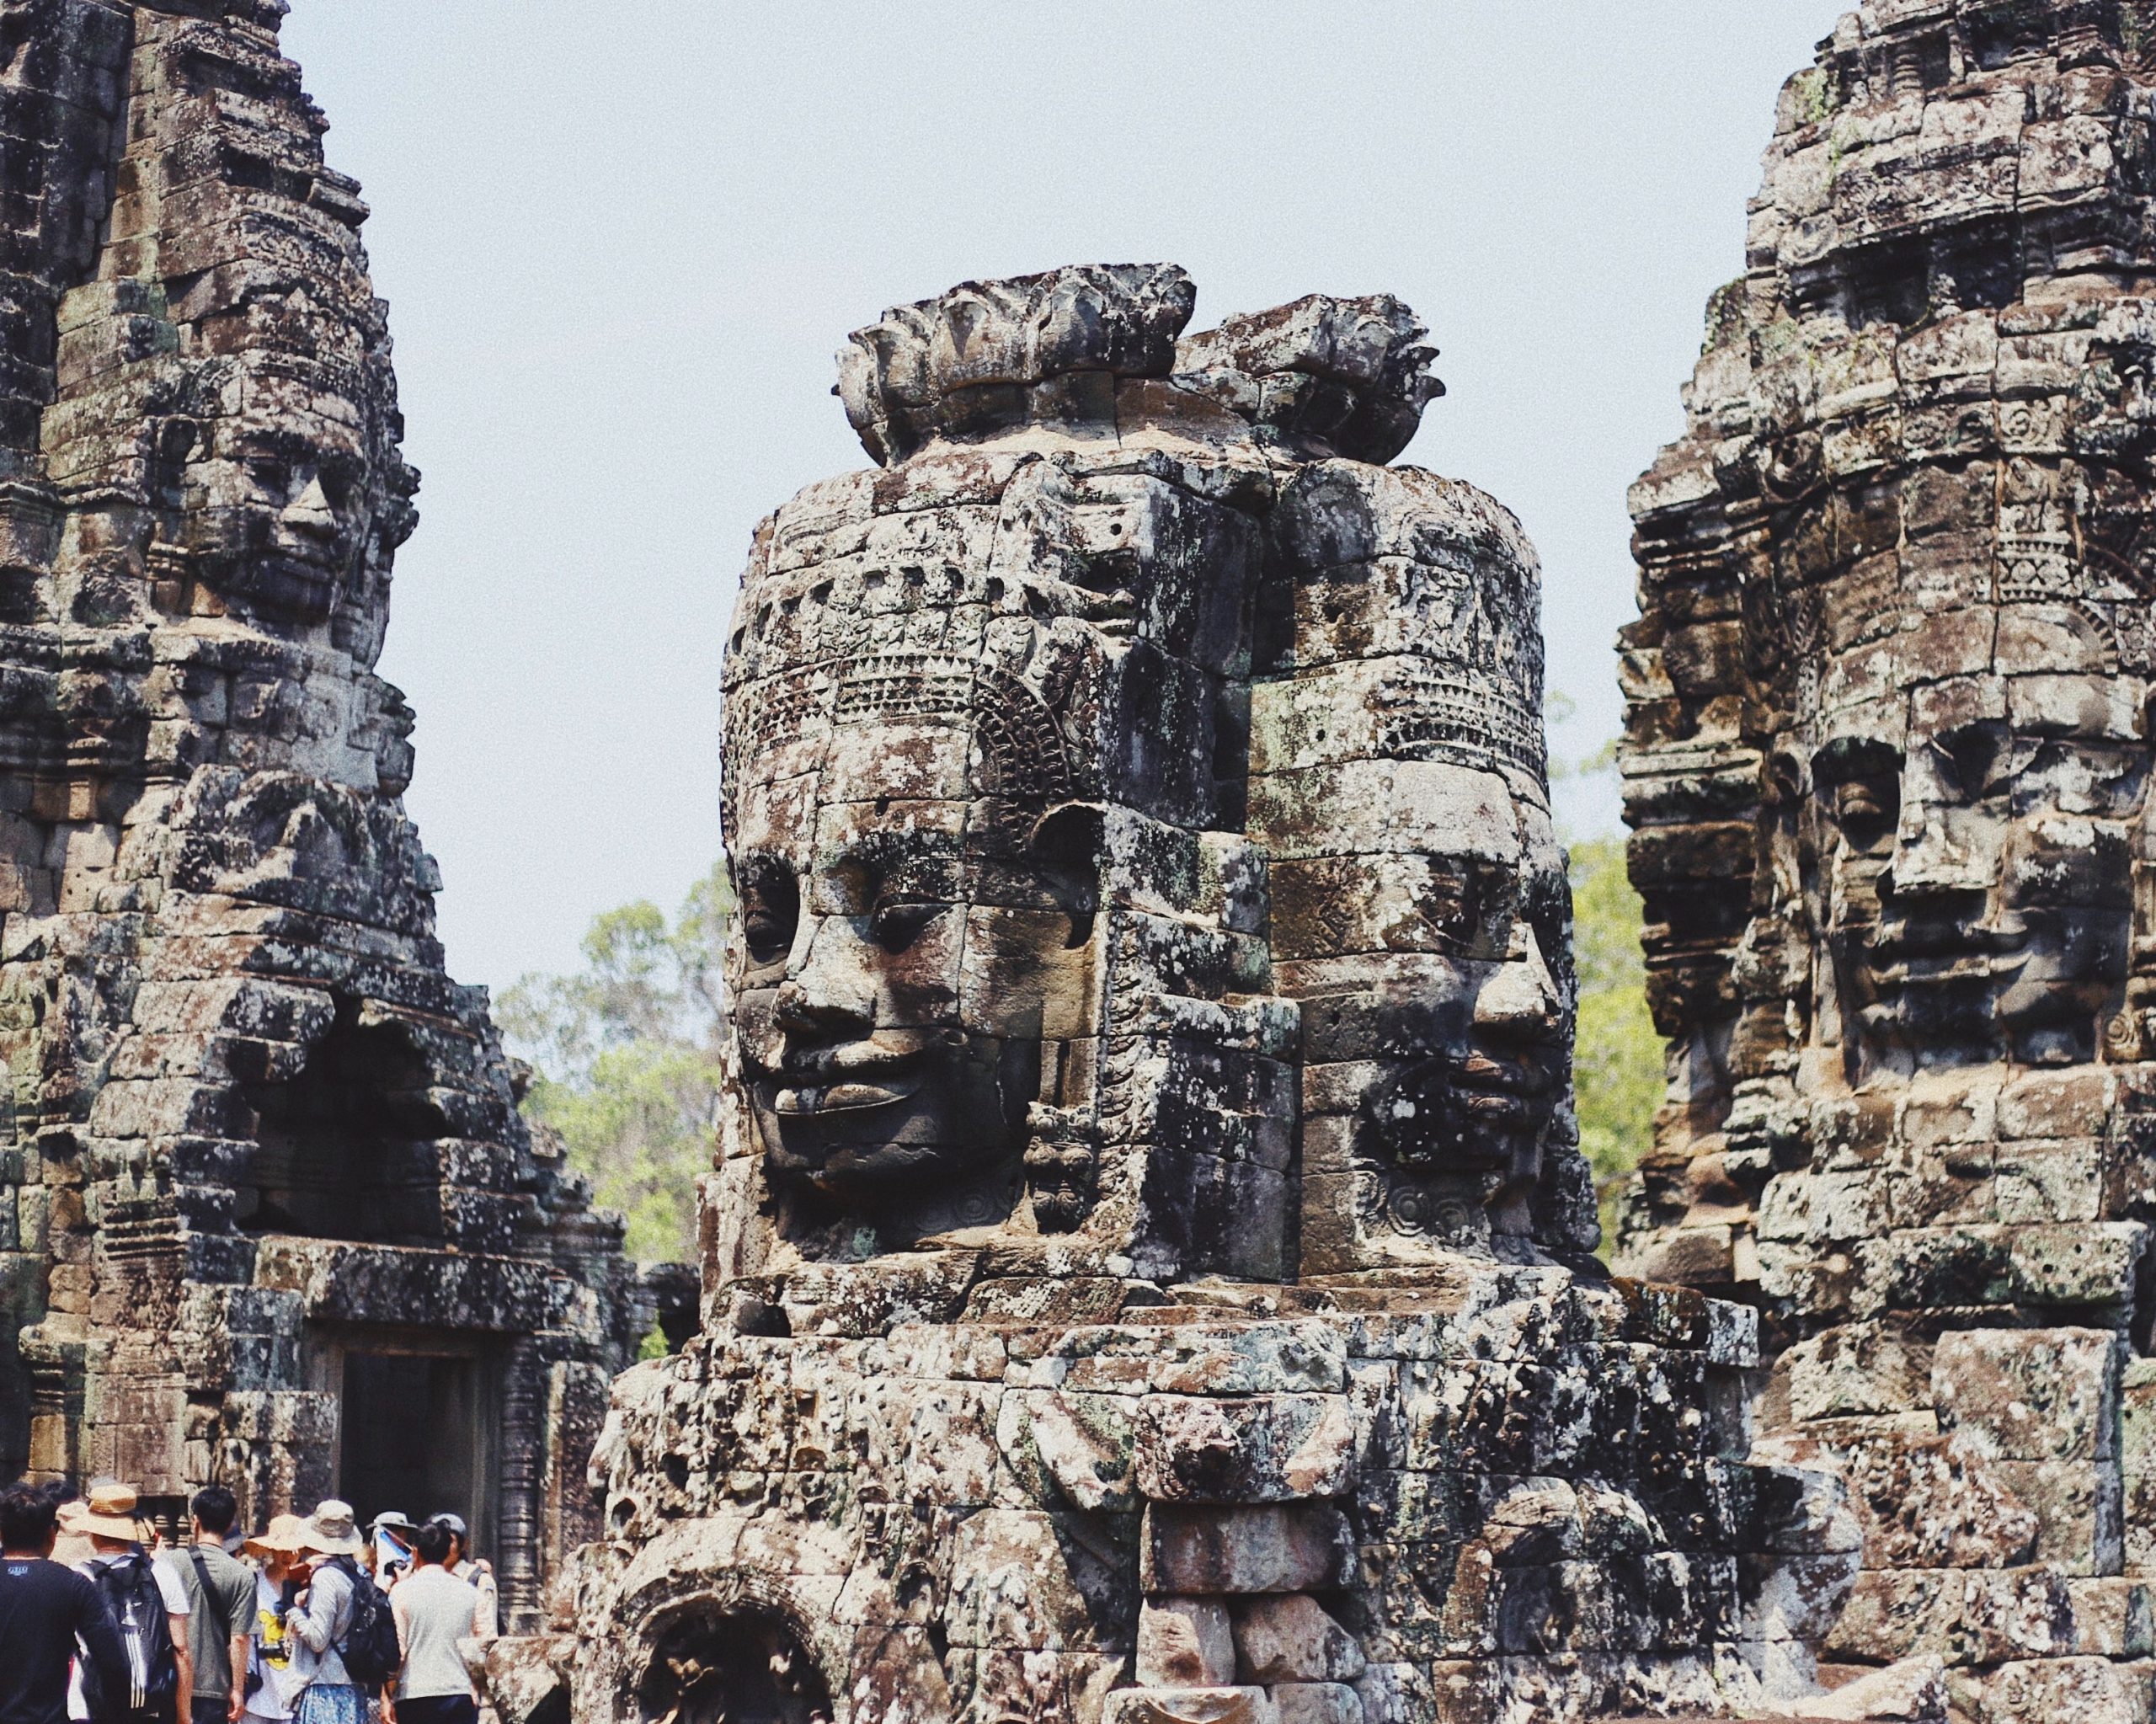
(1147, 1271)
(256, 1149)
(1148, 1268)
(1887, 762)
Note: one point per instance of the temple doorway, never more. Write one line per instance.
(412, 1430)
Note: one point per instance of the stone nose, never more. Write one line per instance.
(310, 511)
(1519, 1000)
(831, 990)
(1929, 862)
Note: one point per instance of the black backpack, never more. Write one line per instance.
(129, 1588)
(370, 1649)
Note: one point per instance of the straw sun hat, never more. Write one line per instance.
(285, 1536)
(107, 1511)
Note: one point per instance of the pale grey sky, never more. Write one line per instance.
(620, 243)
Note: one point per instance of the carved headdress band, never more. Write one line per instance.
(1023, 757)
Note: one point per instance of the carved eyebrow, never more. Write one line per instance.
(886, 853)
(752, 867)
(1848, 757)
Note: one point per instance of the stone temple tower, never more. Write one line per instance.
(266, 1201)
(1147, 1271)
(1888, 762)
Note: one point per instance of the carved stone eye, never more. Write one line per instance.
(1972, 755)
(897, 925)
(771, 911)
(1867, 810)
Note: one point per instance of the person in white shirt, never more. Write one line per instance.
(476, 1570)
(108, 1520)
(281, 1549)
(436, 1613)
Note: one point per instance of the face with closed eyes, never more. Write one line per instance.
(1976, 845)
(1489, 1023)
(293, 488)
(282, 519)
(893, 983)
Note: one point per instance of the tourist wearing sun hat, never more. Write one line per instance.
(392, 1532)
(108, 1511)
(326, 1694)
(281, 1549)
(109, 1516)
(280, 1539)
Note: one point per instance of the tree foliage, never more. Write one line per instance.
(625, 1054)
(1617, 1063)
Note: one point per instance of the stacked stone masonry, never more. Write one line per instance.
(1148, 1265)
(250, 1132)
(1888, 758)
(1147, 1269)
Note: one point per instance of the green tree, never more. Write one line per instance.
(625, 1058)
(1617, 1063)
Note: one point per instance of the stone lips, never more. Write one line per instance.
(1887, 764)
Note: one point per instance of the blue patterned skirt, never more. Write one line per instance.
(324, 1703)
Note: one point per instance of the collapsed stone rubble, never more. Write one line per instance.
(1887, 762)
(252, 1137)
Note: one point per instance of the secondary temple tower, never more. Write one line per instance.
(1887, 760)
(265, 1200)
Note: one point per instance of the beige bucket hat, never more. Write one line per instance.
(108, 1511)
(330, 1530)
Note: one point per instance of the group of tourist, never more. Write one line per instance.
(308, 1622)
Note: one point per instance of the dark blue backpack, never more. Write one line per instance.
(129, 1588)
(369, 1648)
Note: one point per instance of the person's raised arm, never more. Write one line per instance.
(315, 1625)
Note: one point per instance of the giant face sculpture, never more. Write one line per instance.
(1419, 904)
(894, 976)
(282, 517)
(1492, 1027)
(266, 468)
(1105, 805)
(1888, 743)
(1975, 835)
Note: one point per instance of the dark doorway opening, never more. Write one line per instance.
(14, 1398)
(735, 1667)
(414, 1438)
(344, 1149)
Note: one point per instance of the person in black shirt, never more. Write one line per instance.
(44, 1609)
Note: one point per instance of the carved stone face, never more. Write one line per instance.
(1976, 854)
(1489, 1023)
(893, 981)
(283, 516)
